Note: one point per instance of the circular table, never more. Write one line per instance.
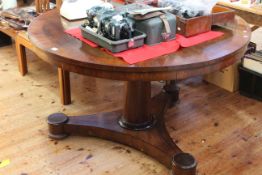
(140, 124)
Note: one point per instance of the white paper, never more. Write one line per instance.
(76, 9)
(7, 4)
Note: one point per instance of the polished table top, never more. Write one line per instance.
(57, 47)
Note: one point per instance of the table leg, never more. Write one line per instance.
(64, 86)
(137, 114)
(21, 57)
(173, 90)
(140, 125)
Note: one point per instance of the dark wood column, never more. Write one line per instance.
(136, 114)
(64, 86)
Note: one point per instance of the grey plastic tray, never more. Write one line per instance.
(114, 46)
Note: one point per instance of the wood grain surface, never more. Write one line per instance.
(221, 129)
(56, 47)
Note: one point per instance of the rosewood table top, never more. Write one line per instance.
(47, 34)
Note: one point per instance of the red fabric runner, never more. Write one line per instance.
(147, 52)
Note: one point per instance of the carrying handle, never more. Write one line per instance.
(148, 10)
(166, 35)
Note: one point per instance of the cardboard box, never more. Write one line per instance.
(227, 78)
(253, 62)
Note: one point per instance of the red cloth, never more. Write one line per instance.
(148, 52)
(76, 32)
(197, 39)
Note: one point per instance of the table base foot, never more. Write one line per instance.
(153, 141)
(183, 164)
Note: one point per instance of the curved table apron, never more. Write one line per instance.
(140, 124)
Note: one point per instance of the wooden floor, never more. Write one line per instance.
(222, 130)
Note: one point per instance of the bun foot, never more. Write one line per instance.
(184, 164)
(56, 124)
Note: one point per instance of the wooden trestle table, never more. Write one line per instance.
(141, 122)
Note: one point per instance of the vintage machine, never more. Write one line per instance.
(129, 24)
(160, 28)
(156, 23)
(111, 29)
(195, 17)
(109, 23)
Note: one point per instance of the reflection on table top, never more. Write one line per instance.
(47, 32)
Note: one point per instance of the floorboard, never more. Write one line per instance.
(222, 130)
